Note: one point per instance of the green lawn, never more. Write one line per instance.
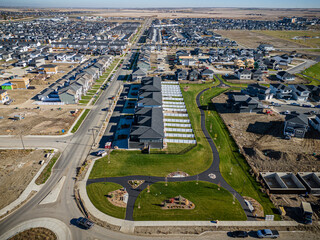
(45, 174)
(230, 158)
(97, 193)
(313, 71)
(197, 160)
(210, 203)
(83, 116)
(311, 81)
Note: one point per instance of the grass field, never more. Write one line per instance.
(313, 71)
(197, 160)
(97, 193)
(77, 125)
(210, 203)
(45, 174)
(311, 81)
(230, 158)
(288, 35)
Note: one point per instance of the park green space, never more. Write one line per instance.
(98, 192)
(45, 174)
(233, 166)
(80, 120)
(210, 203)
(197, 160)
(288, 35)
(313, 71)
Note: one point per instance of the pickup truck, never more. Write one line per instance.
(267, 233)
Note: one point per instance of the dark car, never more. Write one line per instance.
(85, 223)
(239, 234)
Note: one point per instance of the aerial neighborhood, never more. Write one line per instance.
(160, 122)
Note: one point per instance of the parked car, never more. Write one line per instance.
(267, 233)
(101, 153)
(85, 223)
(239, 234)
(306, 105)
(8, 102)
(286, 112)
(295, 104)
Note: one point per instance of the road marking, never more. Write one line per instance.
(54, 194)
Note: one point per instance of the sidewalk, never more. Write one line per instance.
(59, 228)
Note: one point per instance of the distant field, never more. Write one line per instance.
(252, 39)
(288, 35)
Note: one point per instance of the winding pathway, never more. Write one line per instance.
(149, 180)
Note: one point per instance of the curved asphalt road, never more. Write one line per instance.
(149, 180)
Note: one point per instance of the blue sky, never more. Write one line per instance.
(162, 3)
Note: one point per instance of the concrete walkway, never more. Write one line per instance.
(59, 228)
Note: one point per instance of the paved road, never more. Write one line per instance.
(301, 67)
(149, 180)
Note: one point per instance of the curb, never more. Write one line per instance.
(58, 227)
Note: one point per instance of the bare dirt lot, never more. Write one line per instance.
(17, 168)
(40, 82)
(260, 137)
(250, 39)
(36, 121)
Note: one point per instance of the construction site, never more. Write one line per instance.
(37, 121)
(284, 167)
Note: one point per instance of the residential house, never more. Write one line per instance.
(138, 74)
(48, 69)
(285, 76)
(257, 74)
(188, 61)
(300, 92)
(260, 91)
(240, 103)
(4, 96)
(271, 64)
(314, 92)
(193, 75)
(147, 128)
(281, 91)
(207, 74)
(296, 125)
(182, 74)
(315, 122)
(243, 74)
(20, 83)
